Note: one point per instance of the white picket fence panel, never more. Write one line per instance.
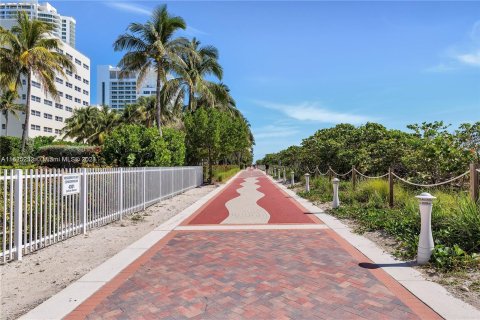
(34, 213)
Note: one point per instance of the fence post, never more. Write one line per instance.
(307, 182)
(120, 196)
(474, 181)
(336, 200)
(425, 240)
(390, 187)
(279, 173)
(354, 178)
(293, 178)
(18, 196)
(284, 175)
(144, 184)
(83, 201)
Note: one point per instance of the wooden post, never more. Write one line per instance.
(354, 178)
(390, 187)
(474, 181)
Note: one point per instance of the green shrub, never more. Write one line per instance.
(136, 146)
(9, 149)
(61, 156)
(175, 141)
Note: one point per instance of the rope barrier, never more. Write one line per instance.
(341, 175)
(321, 173)
(371, 177)
(433, 184)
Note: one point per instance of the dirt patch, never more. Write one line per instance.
(25, 284)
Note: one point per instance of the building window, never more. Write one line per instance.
(69, 109)
(35, 127)
(78, 62)
(69, 97)
(58, 105)
(47, 129)
(69, 72)
(69, 56)
(4, 126)
(60, 93)
(77, 89)
(36, 99)
(85, 103)
(78, 77)
(36, 84)
(86, 81)
(78, 100)
(57, 118)
(24, 82)
(85, 92)
(58, 80)
(47, 116)
(47, 102)
(35, 113)
(68, 84)
(58, 131)
(24, 96)
(86, 66)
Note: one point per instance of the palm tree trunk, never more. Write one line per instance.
(159, 102)
(190, 98)
(27, 112)
(6, 123)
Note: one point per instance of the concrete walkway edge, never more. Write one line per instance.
(65, 301)
(431, 293)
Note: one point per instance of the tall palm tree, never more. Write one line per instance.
(198, 63)
(8, 105)
(152, 45)
(30, 50)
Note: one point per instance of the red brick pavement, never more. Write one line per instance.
(278, 204)
(268, 274)
(261, 274)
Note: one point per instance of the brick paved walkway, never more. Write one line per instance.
(252, 274)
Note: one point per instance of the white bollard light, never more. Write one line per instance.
(293, 177)
(279, 174)
(307, 182)
(336, 200)
(425, 241)
(284, 175)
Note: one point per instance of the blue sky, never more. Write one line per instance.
(296, 67)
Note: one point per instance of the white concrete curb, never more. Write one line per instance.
(65, 301)
(431, 293)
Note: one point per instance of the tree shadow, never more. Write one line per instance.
(369, 265)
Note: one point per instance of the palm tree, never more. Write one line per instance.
(152, 45)
(91, 124)
(8, 105)
(81, 125)
(29, 50)
(198, 63)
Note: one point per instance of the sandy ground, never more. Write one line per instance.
(26, 284)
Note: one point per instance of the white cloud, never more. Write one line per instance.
(442, 67)
(191, 31)
(472, 59)
(274, 131)
(124, 6)
(312, 111)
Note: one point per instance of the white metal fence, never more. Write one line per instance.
(36, 211)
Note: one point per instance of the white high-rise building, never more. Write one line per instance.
(116, 91)
(64, 26)
(48, 115)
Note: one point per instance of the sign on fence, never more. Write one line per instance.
(71, 184)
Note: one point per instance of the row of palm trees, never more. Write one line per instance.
(182, 67)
